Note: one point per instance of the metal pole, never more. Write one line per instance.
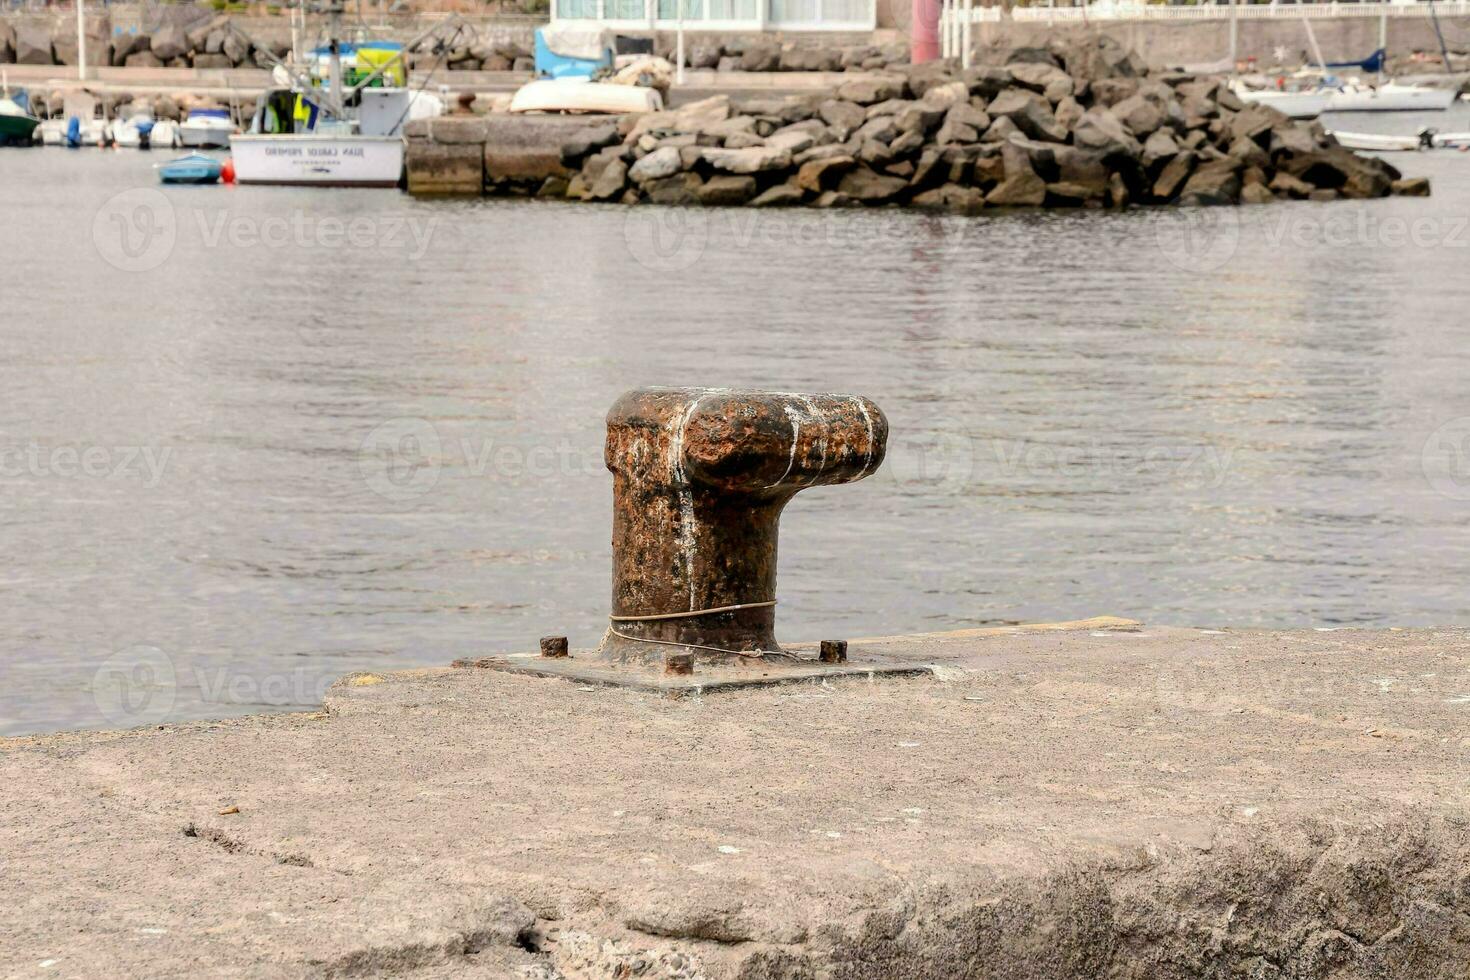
(1383, 40)
(81, 42)
(1444, 51)
(679, 46)
(965, 57)
(1234, 36)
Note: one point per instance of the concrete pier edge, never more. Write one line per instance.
(1094, 798)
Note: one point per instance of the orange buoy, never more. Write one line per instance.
(227, 172)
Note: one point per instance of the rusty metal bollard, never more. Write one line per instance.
(700, 476)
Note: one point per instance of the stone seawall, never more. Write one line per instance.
(1081, 125)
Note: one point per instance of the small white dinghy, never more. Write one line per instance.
(568, 95)
(1379, 143)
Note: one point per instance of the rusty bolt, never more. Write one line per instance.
(554, 646)
(679, 663)
(833, 652)
(700, 476)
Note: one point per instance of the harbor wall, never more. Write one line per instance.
(496, 43)
(1169, 44)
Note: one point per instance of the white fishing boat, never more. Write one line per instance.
(319, 159)
(206, 129)
(579, 95)
(321, 132)
(1391, 97)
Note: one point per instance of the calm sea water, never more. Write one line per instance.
(257, 438)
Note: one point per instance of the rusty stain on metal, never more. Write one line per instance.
(679, 663)
(554, 646)
(833, 652)
(700, 477)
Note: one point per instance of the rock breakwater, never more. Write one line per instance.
(1046, 129)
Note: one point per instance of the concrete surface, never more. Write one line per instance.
(1097, 801)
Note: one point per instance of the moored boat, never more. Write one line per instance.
(1426, 139)
(326, 130)
(195, 168)
(571, 95)
(1391, 97)
(135, 132)
(1304, 103)
(206, 129)
(17, 122)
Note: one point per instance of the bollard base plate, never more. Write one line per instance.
(706, 679)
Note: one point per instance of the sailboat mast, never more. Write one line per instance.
(334, 72)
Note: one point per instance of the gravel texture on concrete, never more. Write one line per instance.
(1101, 801)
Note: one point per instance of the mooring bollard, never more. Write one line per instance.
(700, 476)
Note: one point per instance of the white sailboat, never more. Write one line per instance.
(1391, 97)
(1301, 103)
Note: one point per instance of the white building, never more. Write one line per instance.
(720, 15)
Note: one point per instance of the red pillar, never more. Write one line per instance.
(924, 45)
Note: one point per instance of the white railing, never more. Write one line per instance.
(955, 12)
(721, 15)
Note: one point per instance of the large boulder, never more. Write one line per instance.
(1100, 130)
(1030, 112)
(986, 81)
(1109, 92)
(1041, 77)
(1341, 170)
(1022, 190)
(749, 160)
(235, 48)
(862, 184)
(963, 123)
(871, 90)
(704, 56)
(1159, 149)
(822, 174)
(841, 115)
(1256, 122)
(1139, 114)
(32, 46)
(760, 56)
(169, 41)
(778, 196)
(663, 162)
(143, 59)
(726, 189)
(610, 181)
(951, 197)
(1212, 183)
(1171, 179)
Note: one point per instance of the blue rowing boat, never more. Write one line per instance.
(196, 168)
